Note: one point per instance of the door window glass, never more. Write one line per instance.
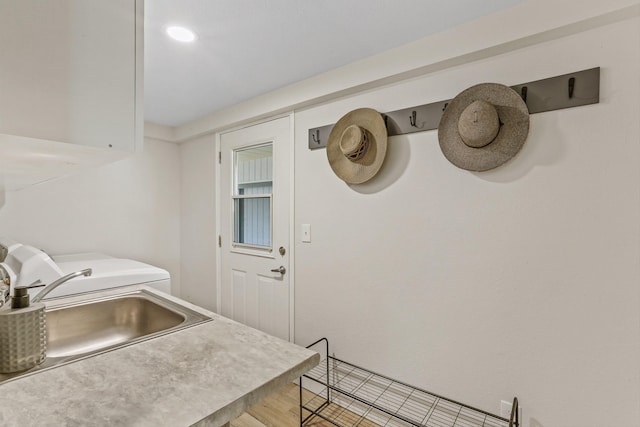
(252, 196)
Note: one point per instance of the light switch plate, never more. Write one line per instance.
(306, 233)
(505, 409)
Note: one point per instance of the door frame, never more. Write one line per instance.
(291, 249)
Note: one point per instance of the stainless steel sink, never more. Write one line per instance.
(94, 326)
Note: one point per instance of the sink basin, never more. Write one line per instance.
(89, 327)
(94, 326)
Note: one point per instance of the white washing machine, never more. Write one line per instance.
(25, 265)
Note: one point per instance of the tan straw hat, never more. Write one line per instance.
(357, 145)
(483, 127)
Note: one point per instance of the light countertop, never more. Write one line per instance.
(204, 375)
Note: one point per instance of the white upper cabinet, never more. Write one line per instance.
(71, 74)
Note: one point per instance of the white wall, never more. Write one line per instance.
(128, 209)
(198, 226)
(481, 286)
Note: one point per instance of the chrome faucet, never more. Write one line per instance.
(51, 286)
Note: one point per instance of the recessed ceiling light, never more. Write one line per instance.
(181, 34)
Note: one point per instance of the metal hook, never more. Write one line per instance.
(412, 118)
(523, 93)
(317, 141)
(572, 83)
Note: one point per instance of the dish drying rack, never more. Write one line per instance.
(354, 396)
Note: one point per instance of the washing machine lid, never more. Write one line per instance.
(108, 272)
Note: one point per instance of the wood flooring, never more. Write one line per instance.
(282, 409)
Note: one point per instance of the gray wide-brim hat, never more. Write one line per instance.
(357, 145)
(483, 127)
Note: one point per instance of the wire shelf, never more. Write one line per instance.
(353, 396)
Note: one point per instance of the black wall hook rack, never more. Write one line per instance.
(554, 93)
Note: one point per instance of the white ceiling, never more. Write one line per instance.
(249, 47)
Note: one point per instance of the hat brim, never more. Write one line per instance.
(362, 170)
(514, 128)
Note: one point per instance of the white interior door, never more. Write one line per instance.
(254, 241)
